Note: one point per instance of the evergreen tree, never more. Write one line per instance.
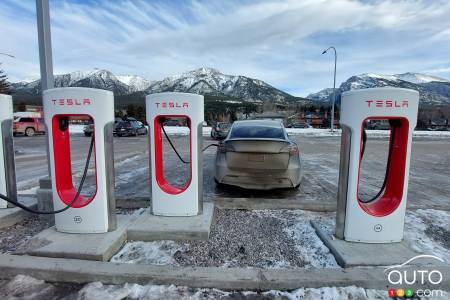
(5, 88)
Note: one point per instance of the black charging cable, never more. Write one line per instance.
(175, 150)
(80, 188)
(394, 125)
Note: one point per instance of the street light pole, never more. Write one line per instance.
(6, 54)
(334, 85)
(45, 44)
(44, 193)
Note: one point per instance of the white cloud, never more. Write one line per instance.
(276, 41)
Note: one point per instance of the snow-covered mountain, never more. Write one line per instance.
(96, 78)
(211, 81)
(206, 81)
(434, 91)
(134, 82)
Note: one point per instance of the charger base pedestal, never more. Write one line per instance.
(352, 254)
(150, 228)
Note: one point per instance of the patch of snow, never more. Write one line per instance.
(416, 235)
(22, 285)
(75, 128)
(29, 191)
(373, 133)
(312, 249)
(97, 290)
(154, 253)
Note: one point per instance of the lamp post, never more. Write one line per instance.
(6, 54)
(334, 85)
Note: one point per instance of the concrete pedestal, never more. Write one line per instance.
(150, 228)
(351, 254)
(95, 246)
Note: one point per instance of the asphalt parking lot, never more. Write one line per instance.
(430, 168)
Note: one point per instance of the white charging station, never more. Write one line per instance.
(169, 200)
(96, 213)
(7, 165)
(380, 220)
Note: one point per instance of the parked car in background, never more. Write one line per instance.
(220, 130)
(88, 129)
(378, 125)
(173, 122)
(299, 125)
(28, 126)
(130, 128)
(258, 154)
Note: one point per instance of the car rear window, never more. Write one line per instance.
(26, 120)
(257, 131)
(224, 125)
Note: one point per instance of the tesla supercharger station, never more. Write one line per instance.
(381, 219)
(96, 213)
(7, 165)
(169, 200)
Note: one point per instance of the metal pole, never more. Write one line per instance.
(12, 56)
(45, 53)
(45, 44)
(334, 86)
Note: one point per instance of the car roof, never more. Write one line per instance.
(268, 123)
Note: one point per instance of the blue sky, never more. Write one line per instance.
(279, 42)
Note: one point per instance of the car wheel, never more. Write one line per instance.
(29, 131)
(87, 134)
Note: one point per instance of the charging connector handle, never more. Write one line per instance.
(80, 188)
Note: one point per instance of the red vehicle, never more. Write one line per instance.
(28, 126)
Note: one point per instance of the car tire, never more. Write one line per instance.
(30, 131)
(87, 134)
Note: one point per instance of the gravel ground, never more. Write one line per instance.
(263, 239)
(14, 239)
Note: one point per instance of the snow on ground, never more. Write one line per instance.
(428, 231)
(178, 130)
(97, 290)
(316, 253)
(26, 287)
(155, 253)
(75, 128)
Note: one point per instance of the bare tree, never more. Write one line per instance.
(5, 87)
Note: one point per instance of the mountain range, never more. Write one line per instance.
(206, 81)
(434, 91)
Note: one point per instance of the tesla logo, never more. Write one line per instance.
(387, 103)
(172, 105)
(77, 219)
(72, 101)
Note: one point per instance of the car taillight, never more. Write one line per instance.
(225, 148)
(291, 149)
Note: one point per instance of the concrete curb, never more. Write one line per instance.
(82, 271)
